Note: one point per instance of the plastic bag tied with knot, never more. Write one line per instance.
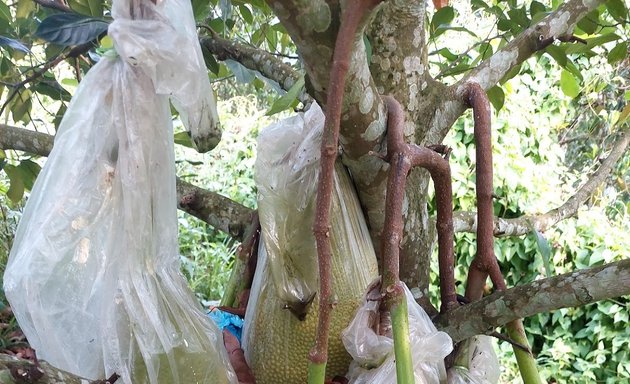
(93, 276)
(373, 355)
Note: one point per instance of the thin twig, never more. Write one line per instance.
(74, 52)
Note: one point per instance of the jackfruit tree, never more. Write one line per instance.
(395, 79)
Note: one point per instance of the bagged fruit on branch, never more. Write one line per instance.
(475, 362)
(373, 354)
(93, 277)
(281, 316)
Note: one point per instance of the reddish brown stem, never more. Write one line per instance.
(351, 18)
(484, 262)
(402, 158)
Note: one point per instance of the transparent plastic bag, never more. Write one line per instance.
(93, 277)
(275, 341)
(476, 363)
(373, 355)
(287, 168)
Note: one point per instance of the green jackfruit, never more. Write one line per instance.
(276, 343)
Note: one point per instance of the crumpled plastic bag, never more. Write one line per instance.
(275, 341)
(373, 355)
(476, 363)
(93, 277)
(286, 203)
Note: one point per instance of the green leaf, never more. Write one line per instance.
(15, 44)
(545, 251)
(80, 6)
(569, 84)
(48, 86)
(201, 9)
(24, 9)
(591, 43)
(208, 58)
(29, 171)
(286, 100)
(67, 29)
(446, 53)
(618, 53)
(246, 14)
(242, 74)
(5, 12)
(589, 22)
(16, 189)
(617, 10)
(442, 17)
(497, 97)
(21, 106)
(558, 54)
(183, 138)
(485, 50)
(536, 7)
(96, 7)
(520, 17)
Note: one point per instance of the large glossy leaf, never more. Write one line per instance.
(67, 29)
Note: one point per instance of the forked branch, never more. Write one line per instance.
(485, 262)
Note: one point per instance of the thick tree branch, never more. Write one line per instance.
(555, 26)
(255, 59)
(466, 221)
(222, 213)
(568, 290)
(219, 211)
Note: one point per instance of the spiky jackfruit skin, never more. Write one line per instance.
(281, 342)
(276, 343)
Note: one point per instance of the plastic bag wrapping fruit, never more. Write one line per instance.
(93, 277)
(475, 363)
(373, 355)
(287, 168)
(275, 340)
